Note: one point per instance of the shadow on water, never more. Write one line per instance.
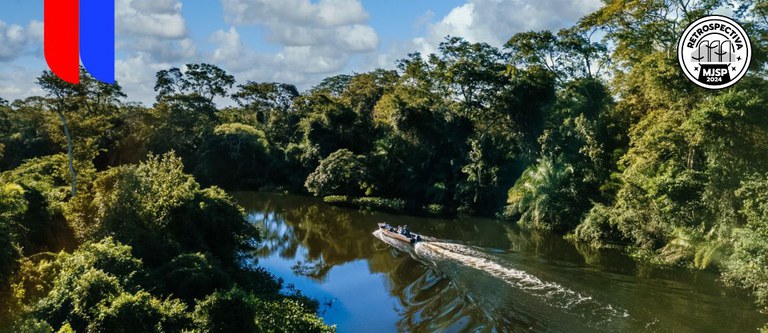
(492, 278)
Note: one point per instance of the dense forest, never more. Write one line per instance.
(592, 132)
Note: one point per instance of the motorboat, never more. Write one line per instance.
(403, 234)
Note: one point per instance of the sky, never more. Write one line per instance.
(290, 41)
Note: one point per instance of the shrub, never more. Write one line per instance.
(97, 288)
(288, 316)
(12, 207)
(371, 203)
(192, 276)
(85, 279)
(341, 173)
(746, 266)
(141, 312)
(236, 156)
(213, 222)
(35, 326)
(238, 311)
(163, 212)
(337, 199)
(230, 311)
(545, 197)
(435, 209)
(597, 229)
(394, 205)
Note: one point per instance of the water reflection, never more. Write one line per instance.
(495, 278)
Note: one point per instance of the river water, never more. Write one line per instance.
(481, 276)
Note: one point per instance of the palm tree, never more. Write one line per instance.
(543, 198)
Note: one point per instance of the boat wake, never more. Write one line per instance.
(552, 293)
(498, 289)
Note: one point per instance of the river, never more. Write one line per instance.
(482, 276)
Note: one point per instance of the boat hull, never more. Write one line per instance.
(415, 238)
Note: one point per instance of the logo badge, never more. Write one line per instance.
(78, 30)
(714, 52)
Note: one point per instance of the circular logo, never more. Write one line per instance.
(714, 52)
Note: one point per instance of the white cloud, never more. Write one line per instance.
(154, 36)
(325, 13)
(36, 29)
(150, 18)
(317, 39)
(16, 40)
(300, 65)
(16, 83)
(155, 28)
(495, 21)
(136, 75)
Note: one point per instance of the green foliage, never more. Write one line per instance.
(266, 98)
(435, 209)
(227, 312)
(746, 266)
(163, 212)
(569, 54)
(203, 80)
(240, 149)
(336, 199)
(545, 197)
(26, 131)
(370, 203)
(393, 205)
(12, 207)
(47, 175)
(193, 276)
(180, 123)
(102, 287)
(96, 288)
(84, 281)
(37, 326)
(141, 312)
(341, 173)
(44, 186)
(598, 230)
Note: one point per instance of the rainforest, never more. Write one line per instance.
(116, 216)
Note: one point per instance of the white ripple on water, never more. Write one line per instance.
(552, 293)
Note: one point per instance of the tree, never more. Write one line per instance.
(204, 80)
(569, 54)
(12, 206)
(192, 277)
(239, 311)
(91, 95)
(242, 149)
(545, 197)
(333, 86)
(266, 96)
(640, 28)
(162, 212)
(341, 173)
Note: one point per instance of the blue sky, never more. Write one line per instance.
(293, 41)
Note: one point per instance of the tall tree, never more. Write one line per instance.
(89, 97)
(204, 80)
